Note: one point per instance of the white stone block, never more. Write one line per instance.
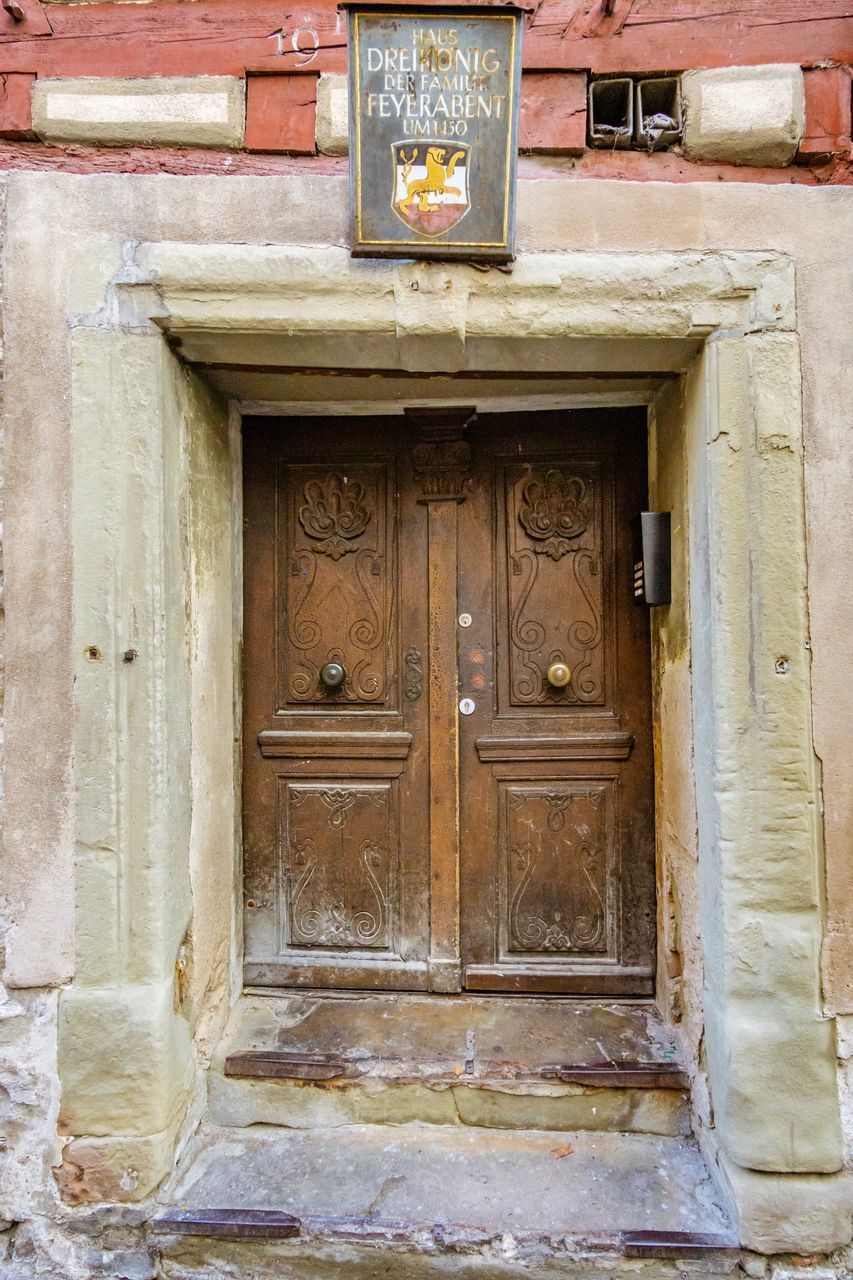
(332, 130)
(744, 115)
(201, 111)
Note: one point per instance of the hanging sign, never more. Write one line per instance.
(433, 131)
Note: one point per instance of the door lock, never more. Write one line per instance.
(333, 675)
(559, 675)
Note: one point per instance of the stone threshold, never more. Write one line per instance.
(407, 1036)
(435, 1191)
(321, 1058)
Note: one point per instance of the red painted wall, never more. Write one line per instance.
(283, 50)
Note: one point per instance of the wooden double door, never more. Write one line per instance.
(448, 758)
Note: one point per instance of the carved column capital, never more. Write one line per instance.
(442, 456)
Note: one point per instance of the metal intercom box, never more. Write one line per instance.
(652, 580)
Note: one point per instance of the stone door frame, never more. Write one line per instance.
(155, 519)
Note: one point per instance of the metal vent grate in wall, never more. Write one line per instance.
(643, 114)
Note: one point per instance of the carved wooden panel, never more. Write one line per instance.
(555, 582)
(557, 849)
(338, 566)
(336, 846)
(339, 864)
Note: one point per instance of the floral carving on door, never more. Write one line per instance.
(555, 584)
(556, 875)
(334, 513)
(556, 508)
(339, 874)
(338, 587)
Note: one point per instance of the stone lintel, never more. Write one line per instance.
(264, 290)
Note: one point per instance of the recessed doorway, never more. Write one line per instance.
(447, 704)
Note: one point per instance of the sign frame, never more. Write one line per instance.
(499, 245)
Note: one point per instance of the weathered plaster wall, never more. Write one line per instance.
(29, 1083)
(37, 792)
(122, 1117)
(553, 215)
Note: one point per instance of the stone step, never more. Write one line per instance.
(423, 1200)
(308, 1059)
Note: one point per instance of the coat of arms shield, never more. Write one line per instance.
(430, 187)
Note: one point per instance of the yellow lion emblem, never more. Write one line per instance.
(419, 190)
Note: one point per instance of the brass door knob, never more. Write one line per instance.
(333, 675)
(559, 675)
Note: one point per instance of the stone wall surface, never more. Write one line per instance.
(845, 1068)
(216, 603)
(199, 110)
(680, 962)
(68, 241)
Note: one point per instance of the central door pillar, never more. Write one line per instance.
(441, 460)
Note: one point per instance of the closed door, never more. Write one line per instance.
(556, 756)
(448, 778)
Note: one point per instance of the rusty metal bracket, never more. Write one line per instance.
(229, 1224)
(274, 1064)
(620, 1075)
(676, 1244)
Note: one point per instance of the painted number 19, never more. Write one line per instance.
(303, 41)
